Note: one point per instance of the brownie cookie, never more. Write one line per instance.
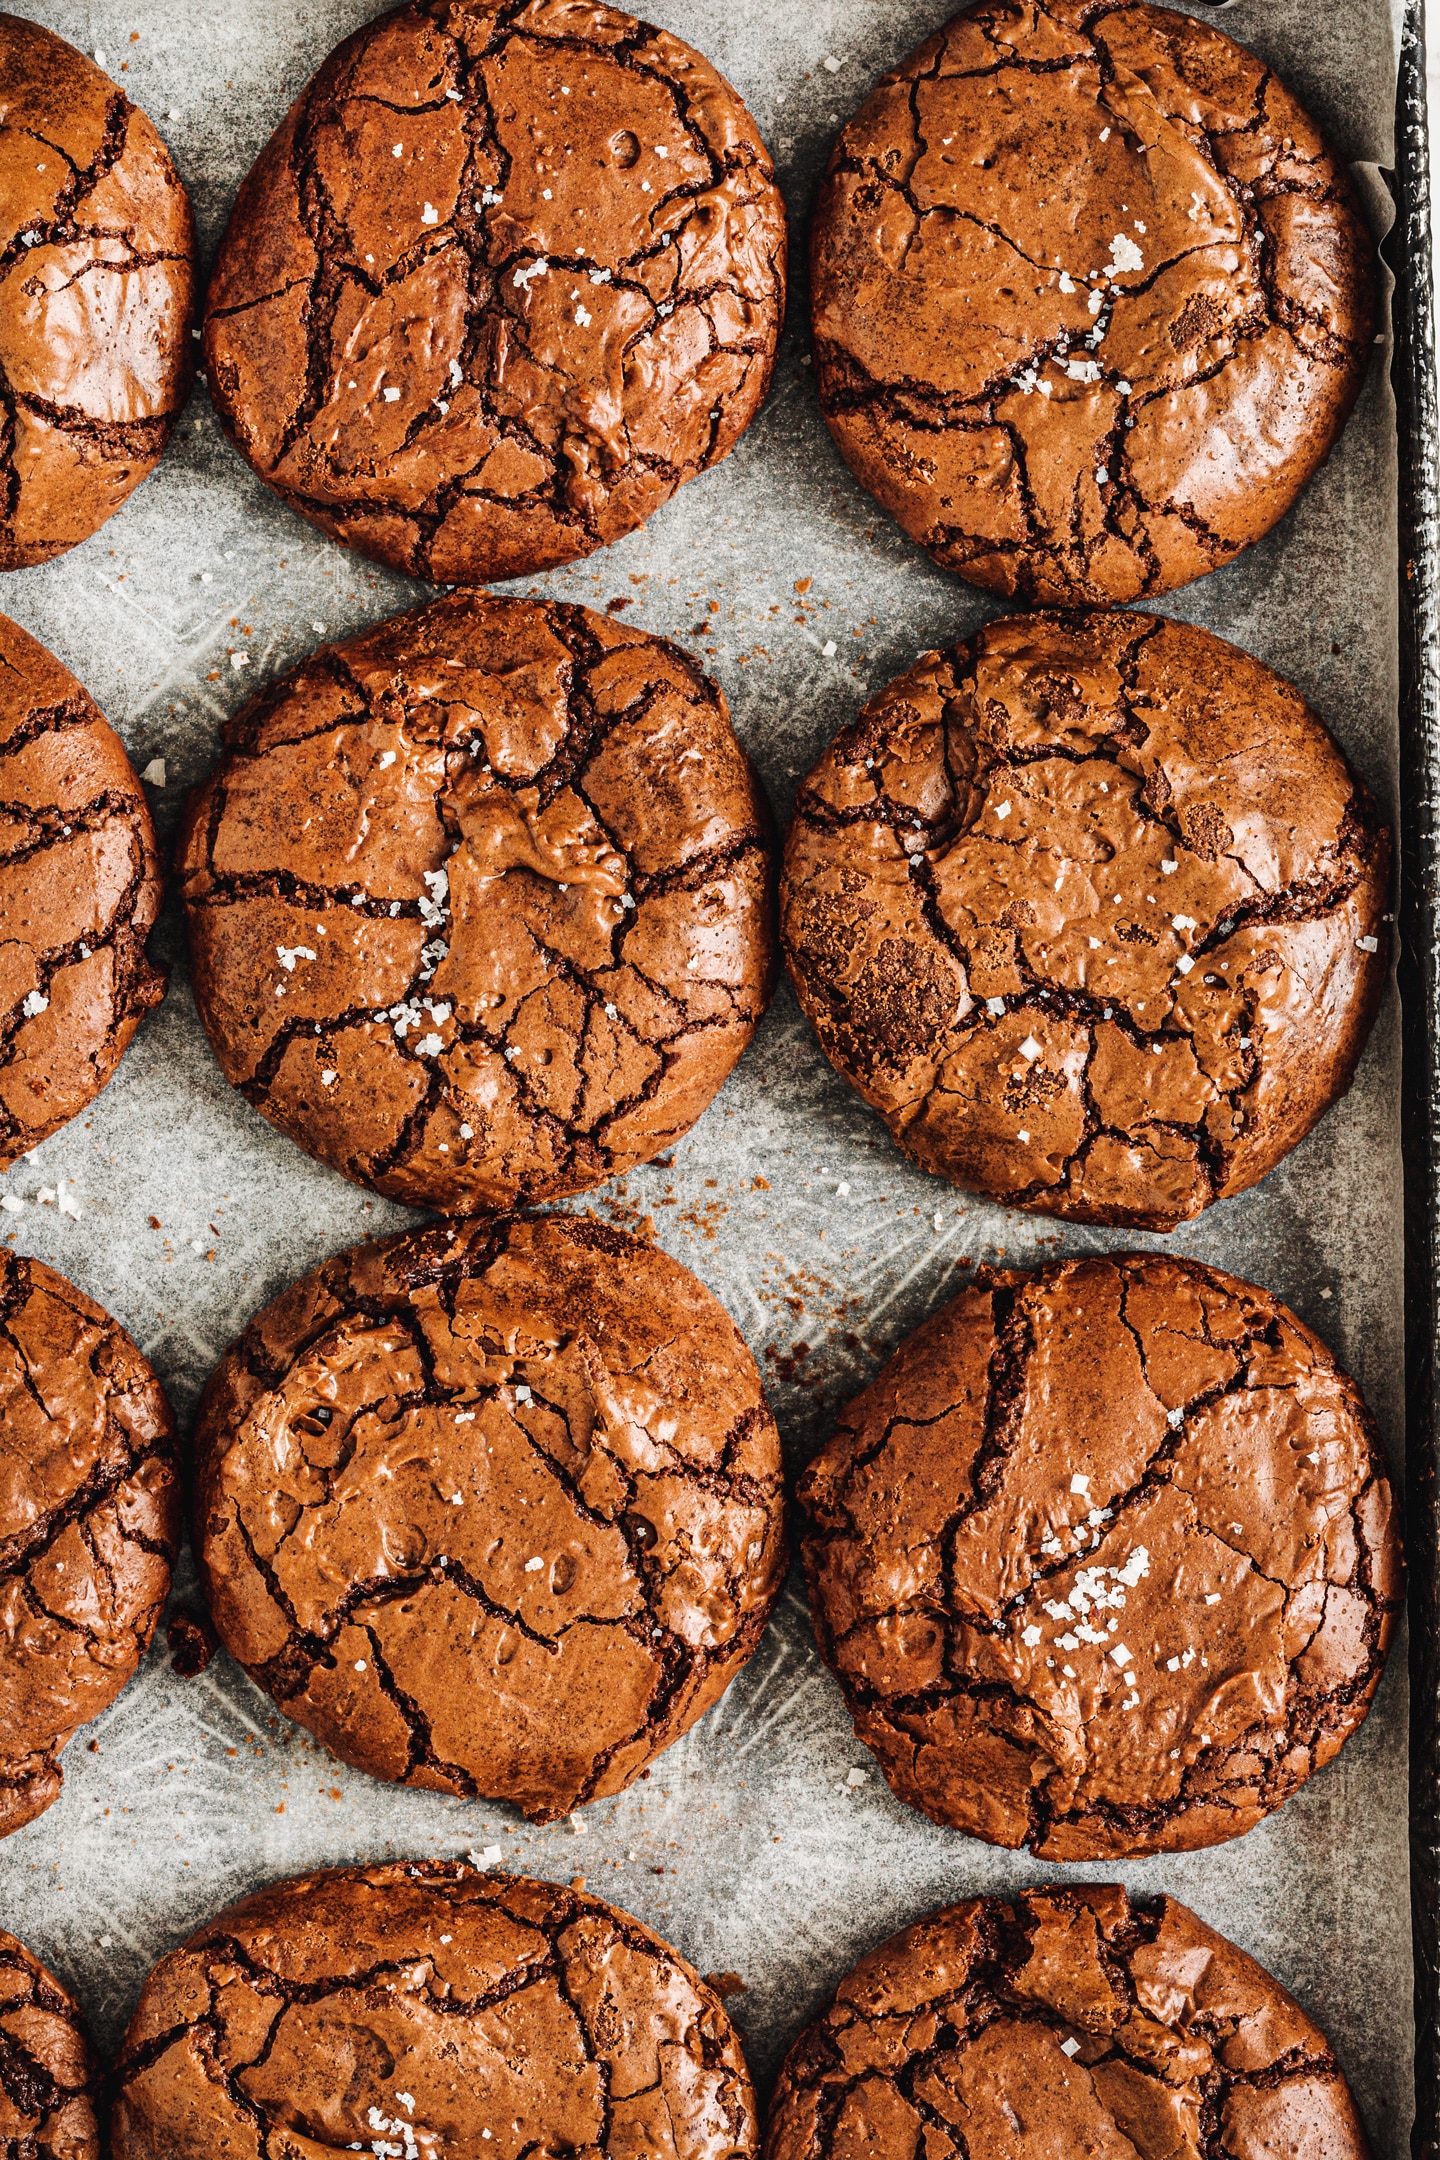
(480, 903)
(502, 281)
(1090, 909)
(89, 1522)
(495, 1510)
(1092, 298)
(79, 892)
(1071, 2021)
(97, 288)
(1105, 1559)
(49, 2079)
(421, 2009)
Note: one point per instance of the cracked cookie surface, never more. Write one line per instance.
(1105, 1559)
(480, 903)
(1071, 2021)
(495, 1510)
(503, 280)
(80, 890)
(1091, 910)
(97, 290)
(49, 2079)
(89, 1522)
(420, 2009)
(1092, 298)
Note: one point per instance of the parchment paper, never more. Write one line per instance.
(746, 1848)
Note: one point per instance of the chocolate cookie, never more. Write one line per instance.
(1092, 298)
(1105, 1559)
(502, 281)
(49, 2079)
(495, 1510)
(421, 2009)
(1090, 909)
(97, 288)
(89, 1525)
(79, 892)
(480, 904)
(1071, 2021)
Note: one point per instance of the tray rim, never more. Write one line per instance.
(1413, 375)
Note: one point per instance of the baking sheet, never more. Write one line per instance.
(746, 1847)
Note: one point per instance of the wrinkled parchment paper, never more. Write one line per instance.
(746, 1847)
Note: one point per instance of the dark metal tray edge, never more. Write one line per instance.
(1409, 249)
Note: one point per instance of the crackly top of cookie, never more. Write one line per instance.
(1072, 2020)
(1091, 909)
(97, 283)
(424, 2009)
(49, 2078)
(79, 892)
(496, 1510)
(89, 1521)
(580, 212)
(1092, 297)
(479, 903)
(1106, 1558)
